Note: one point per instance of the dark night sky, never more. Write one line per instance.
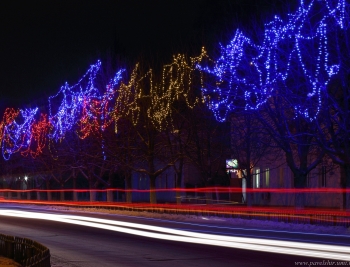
(46, 43)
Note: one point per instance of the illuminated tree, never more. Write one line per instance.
(209, 145)
(334, 125)
(152, 146)
(283, 78)
(296, 136)
(310, 65)
(148, 103)
(248, 73)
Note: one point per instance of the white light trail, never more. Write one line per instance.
(264, 245)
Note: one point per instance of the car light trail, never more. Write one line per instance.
(265, 245)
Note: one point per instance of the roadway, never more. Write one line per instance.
(77, 239)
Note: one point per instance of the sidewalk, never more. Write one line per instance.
(5, 262)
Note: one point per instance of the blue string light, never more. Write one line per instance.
(17, 135)
(81, 100)
(294, 51)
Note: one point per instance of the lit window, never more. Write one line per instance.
(256, 178)
(267, 177)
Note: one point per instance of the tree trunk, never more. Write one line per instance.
(75, 193)
(249, 188)
(18, 185)
(209, 197)
(128, 187)
(28, 188)
(152, 192)
(217, 194)
(38, 193)
(109, 195)
(7, 194)
(92, 191)
(299, 183)
(48, 192)
(345, 185)
(109, 191)
(62, 193)
(178, 187)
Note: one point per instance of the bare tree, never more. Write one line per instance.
(209, 145)
(250, 144)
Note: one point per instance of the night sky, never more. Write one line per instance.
(46, 43)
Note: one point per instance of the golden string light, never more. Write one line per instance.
(87, 112)
(176, 84)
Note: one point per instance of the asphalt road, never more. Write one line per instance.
(77, 245)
